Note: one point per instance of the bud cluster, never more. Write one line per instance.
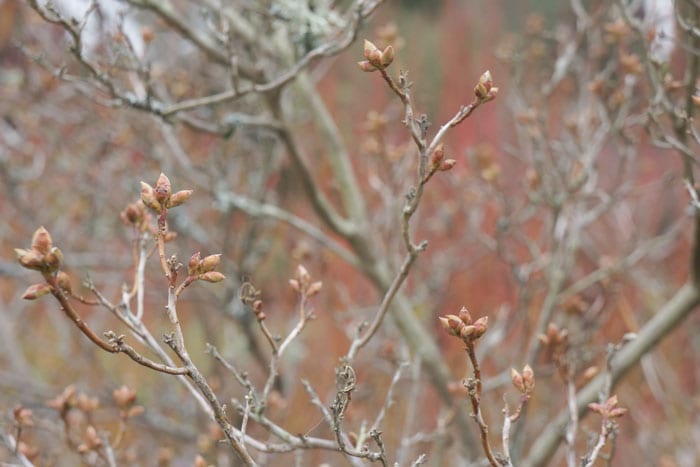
(302, 283)
(203, 268)
(42, 256)
(523, 382)
(437, 161)
(376, 59)
(250, 296)
(161, 197)
(484, 89)
(609, 409)
(136, 214)
(462, 325)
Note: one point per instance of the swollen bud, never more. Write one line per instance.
(30, 259)
(35, 291)
(480, 326)
(193, 264)
(482, 88)
(148, 196)
(366, 66)
(41, 241)
(447, 164)
(517, 380)
(212, 276)
(209, 263)
(387, 56)
(369, 49)
(53, 259)
(163, 189)
(178, 198)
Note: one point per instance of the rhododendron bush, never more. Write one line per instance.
(275, 232)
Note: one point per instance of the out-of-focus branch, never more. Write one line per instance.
(686, 299)
(256, 209)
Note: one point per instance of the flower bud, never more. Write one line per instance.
(35, 291)
(447, 165)
(193, 267)
(163, 189)
(294, 284)
(314, 289)
(467, 332)
(53, 259)
(124, 397)
(465, 316)
(369, 49)
(179, 198)
(30, 259)
(209, 263)
(41, 241)
(375, 59)
(148, 196)
(480, 325)
(436, 157)
(387, 56)
(517, 380)
(482, 88)
(366, 66)
(212, 276)
(303, 277)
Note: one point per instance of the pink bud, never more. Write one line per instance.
(35, 291)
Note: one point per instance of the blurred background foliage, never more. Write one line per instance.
(71, 164)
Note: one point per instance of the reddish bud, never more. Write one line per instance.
(193, 265)
(178, 198)
(134, 213)
(53, 259)
(369, 49)
(35, 291)
(452, 324)
(465, 316)
(491, 95)
(212, 276)
(482, 88)
(436, 157)
(30, 259)
(41, 241)
(481, 325)
(447, 165)
(366, 66)
(163, 189)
